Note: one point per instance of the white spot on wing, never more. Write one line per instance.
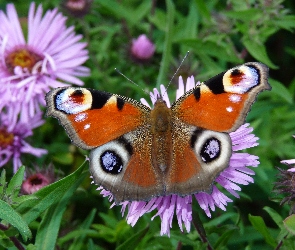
(80, 117)
(229, 109)
(87, 126)
(235, 98)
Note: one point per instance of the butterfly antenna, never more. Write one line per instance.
(132, 81)
(186, 55)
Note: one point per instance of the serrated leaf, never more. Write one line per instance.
(47, 196)
(258, 223)
(133, 241)
(12, 217)
(289, 223)
(258, 51)
(15, 183)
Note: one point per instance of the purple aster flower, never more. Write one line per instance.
(237, 173)
(142, 49)
(50, 55)
(12, 139)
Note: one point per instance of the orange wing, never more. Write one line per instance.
(93, 118)
(222, 103)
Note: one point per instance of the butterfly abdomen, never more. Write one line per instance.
(161, 132)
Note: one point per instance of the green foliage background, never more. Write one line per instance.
(70, 213)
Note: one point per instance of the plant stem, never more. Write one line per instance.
(201, 230)
(15, 241)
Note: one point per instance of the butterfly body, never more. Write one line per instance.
(138, 153)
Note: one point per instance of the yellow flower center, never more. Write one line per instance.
(23, 58)
(6, 138)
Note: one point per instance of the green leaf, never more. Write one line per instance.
(109, 220)
(49, 195)
(258, 51)
(73, 235)
(50, 224)
(287, 22)
(2, 183)
(258, 223)
(191, 23)
(277, 218)
(203, 9)
(78, 242)
(12, 217)
(120, 11)
(15, 183)
(289, 223)
(244, 14)
(133, 241)
(211, 48)
(220, 219)
(167, 44)
(280, 90)
(225, 236)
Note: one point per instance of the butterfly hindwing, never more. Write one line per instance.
(124, 167)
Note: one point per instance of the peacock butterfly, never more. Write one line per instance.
(138, 153)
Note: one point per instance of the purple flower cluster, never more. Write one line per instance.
(36, 53)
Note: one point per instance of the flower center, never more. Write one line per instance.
(36, 179)
(23, 58)
(6, 138)
(76, 4)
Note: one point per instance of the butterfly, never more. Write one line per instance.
(138, 153)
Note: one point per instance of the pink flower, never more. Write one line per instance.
(237, 173)
(12, 139)
(50, 56)
(77, 8)
(290, 162)
(37, 179)
(142, 49)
